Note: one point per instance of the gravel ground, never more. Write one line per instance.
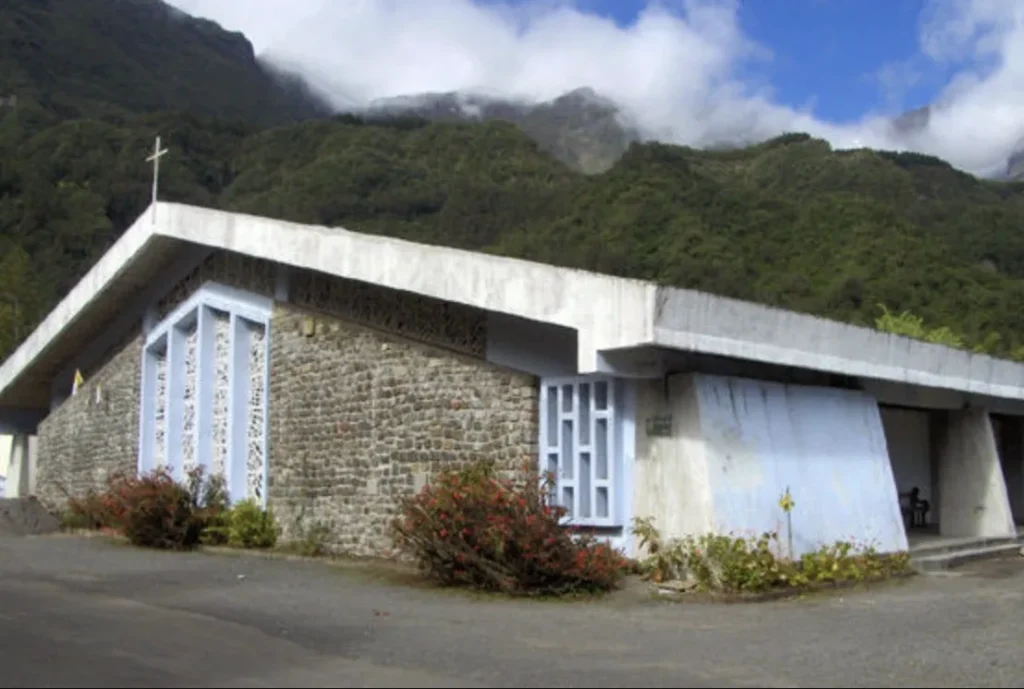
(25, 518)
(84, 612)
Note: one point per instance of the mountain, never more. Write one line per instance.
(789, 222)
(584, 130)
(914, 121)
(1015, 166)
(95, 58)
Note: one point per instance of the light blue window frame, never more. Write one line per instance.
(246, 312)
(585, 428)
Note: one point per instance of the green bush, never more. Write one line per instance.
(734, 564)
(245, 525)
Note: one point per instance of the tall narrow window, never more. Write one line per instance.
(204, 397)
(580, 424)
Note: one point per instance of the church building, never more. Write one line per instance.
(326, 373)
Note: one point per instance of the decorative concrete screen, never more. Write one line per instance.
(581, 430)
(204, 382)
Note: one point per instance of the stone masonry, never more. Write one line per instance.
(94, 433)
(385, 389)
(359, 418)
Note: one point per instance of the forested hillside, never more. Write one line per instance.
(789, 222)
(118, 57)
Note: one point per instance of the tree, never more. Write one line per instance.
(19, 304)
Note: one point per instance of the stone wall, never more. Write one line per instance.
(359, 418)
(389, 388)
(93, 433)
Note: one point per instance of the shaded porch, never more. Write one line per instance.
(959, 474)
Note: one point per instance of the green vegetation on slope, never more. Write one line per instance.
(789, 222)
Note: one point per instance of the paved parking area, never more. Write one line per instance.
(84, 612)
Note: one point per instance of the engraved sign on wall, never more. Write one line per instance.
(659, 426)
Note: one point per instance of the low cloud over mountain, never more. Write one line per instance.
(674, 75)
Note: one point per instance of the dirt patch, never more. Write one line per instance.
(25, 517)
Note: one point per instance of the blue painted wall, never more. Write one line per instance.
(827, 445)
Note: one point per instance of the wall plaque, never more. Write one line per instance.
(659, 426)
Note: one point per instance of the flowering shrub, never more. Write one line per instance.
(473, 529)
(153, 510)
(734, 564)
(94, 510)
(158, 512)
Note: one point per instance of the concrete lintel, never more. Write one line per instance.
(636, 362)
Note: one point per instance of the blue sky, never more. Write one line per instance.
(826, 53)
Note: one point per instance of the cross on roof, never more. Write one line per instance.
(155, 159)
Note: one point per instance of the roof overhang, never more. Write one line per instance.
(700, 322)
(608, 313)
(91, 306)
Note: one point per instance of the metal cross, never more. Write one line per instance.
(155, 159)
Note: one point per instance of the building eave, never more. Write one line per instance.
(709, 324)
(608, 313)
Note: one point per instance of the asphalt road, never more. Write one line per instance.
(86, 613)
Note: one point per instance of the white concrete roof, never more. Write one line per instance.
(607, 312)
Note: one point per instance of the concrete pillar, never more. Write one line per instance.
(21, 470)
(973, 496)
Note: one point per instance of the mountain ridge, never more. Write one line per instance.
(587, 131)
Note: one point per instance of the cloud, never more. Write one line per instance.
(678, 70)
(894, 80)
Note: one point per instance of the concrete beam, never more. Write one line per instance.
(700, 322)
(607, 313)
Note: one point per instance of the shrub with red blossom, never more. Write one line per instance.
(153, 510)
(471, 528)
